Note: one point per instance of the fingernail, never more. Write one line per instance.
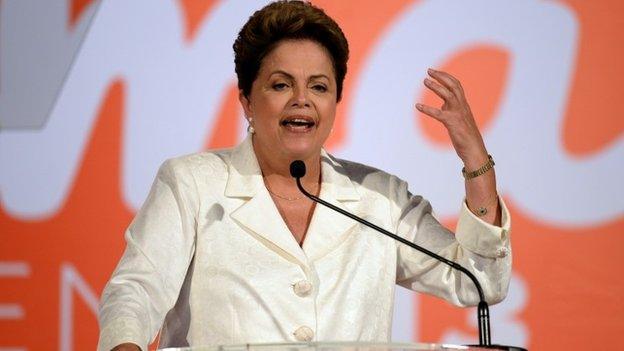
(430, 70)
(419, 106)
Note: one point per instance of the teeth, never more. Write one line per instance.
(298, 122)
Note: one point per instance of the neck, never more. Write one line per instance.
(275, 169)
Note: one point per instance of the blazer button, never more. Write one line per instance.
(302, 288)
(502, 252)
(304, 334)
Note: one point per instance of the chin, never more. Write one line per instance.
(301, 149)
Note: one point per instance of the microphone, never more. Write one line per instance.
(298, 170)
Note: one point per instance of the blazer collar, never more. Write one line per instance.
(260, 216)
(245, 177)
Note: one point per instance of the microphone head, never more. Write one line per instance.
(297, 169)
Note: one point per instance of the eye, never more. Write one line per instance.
(320, 88)
(279, 86)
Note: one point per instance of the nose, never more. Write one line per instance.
(300, 97)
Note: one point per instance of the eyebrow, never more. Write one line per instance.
(290, 76)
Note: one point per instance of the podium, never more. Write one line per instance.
(329, 346)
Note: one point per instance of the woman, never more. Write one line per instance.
(227, 250)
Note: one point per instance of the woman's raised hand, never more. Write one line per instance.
(456, 116)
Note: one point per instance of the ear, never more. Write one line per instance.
(245, 104)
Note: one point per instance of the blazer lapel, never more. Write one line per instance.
(328, 228)
(258, 213)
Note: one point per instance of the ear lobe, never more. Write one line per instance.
(245, 104)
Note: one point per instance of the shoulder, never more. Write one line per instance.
(369, 178)
(196, 176)
(212, 164)
(379, 189)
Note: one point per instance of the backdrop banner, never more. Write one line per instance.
(94, 96)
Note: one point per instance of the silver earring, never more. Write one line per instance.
(250, 128)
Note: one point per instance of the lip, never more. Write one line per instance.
(298, 123)
(293, 117)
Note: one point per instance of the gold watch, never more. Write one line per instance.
(482, 170)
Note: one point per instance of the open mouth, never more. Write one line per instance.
(298, 123)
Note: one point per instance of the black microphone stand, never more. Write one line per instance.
(297, 170)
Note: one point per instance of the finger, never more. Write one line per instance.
(448, 81)
(430, 111)
(440, 90)
(446, 78)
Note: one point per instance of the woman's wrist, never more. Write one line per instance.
(486, 167)
(475, 160)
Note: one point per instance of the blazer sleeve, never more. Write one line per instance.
(160, 243)
(482, 248)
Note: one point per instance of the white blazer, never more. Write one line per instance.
(210, 260)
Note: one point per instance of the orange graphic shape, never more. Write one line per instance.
(362, 22)
(86, 233)
(228, 120)
(594, 115)
(194, 12)
(574, 295)
(76, 9)
(482, 71)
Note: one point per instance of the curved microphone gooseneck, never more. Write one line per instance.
(298, 170)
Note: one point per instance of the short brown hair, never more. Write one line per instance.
(282, 20)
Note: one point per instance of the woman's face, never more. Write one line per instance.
(292, 101)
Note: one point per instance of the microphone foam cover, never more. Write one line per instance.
(297, 169)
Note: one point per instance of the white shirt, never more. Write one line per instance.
(211, 261)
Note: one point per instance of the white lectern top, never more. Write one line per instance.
(328, 346)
